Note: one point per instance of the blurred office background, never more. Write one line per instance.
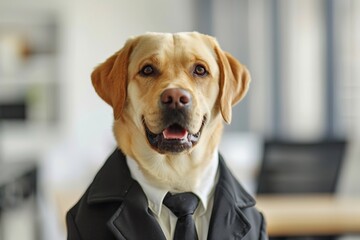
(304, 57)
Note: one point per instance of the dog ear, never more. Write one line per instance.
(234, 82)
(110, 79)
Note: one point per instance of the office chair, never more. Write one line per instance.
(300, 168)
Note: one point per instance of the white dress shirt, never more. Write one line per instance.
(167, 220)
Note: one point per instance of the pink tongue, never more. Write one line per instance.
(175, 133)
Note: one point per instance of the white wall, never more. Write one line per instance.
(303, 69)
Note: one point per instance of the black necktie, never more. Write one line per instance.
(183, 205)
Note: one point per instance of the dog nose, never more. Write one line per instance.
(175, 98)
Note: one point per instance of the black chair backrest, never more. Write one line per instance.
(300, 168)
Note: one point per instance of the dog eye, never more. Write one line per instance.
(147, 70)
(200, 70)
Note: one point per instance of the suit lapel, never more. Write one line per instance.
(133, 219)
(227, 219)
(114, 183)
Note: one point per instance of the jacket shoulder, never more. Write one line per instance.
(86, 221)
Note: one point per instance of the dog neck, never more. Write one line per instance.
(203, 191)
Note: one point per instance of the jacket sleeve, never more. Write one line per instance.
(263, 233)
(72, 230)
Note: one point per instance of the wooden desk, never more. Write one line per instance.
(310, 215)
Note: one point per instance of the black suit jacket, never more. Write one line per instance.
(115, 207)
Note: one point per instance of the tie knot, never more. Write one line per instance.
(181, 204)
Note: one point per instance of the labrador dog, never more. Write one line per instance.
(170, 94)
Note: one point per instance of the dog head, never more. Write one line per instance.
(169, 94)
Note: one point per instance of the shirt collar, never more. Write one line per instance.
(156, 195)
(206, 188)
